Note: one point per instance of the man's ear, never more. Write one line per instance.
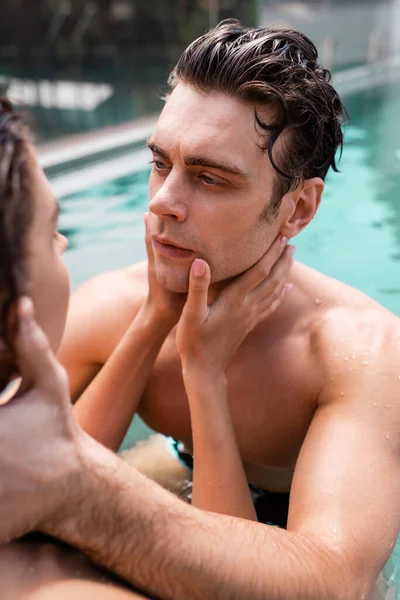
(299, 207)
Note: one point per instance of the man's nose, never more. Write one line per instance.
(168, 201)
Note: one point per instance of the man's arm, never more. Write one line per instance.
(344, 511)
(148, 537)
(346, 487)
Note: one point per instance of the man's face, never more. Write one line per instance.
(210, 188)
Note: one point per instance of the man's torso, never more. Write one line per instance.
(276, 376)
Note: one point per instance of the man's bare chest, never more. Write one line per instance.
(271, 395)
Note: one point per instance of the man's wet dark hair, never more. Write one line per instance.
(16, 215)
(276, 68)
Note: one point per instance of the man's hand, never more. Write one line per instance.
(167, 305)
(38, 436)
(208, 336)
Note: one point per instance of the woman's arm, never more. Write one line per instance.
(107, 406)
(207, 337)
(219, 480)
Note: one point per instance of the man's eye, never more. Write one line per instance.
(209, 180)
(158, 165)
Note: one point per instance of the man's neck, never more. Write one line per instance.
(216, 288)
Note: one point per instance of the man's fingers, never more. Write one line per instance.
(36, 362)
(196, 307)
(276, 279)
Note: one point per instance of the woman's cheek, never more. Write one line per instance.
(62, 303)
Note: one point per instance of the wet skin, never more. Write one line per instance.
(306, 386)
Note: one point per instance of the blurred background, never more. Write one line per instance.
(91, 74)
(83, 64)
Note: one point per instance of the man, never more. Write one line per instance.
(241, 150)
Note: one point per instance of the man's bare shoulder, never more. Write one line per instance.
(345, 327)
(101, 310)
(361, 327)
(115, 288)
(357, 340)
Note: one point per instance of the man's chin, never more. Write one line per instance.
(172, 278)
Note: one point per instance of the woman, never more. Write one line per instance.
(32, 265)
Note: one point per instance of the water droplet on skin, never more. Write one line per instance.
(365, 363)
(387, 405)
(342, 393)
(386, 436)
(336, 355)
(350, 369)
(346, 358)
(352, 356)
(333, 378)
(317, 301)
(375, 404)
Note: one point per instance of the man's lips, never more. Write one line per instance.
(167, 247)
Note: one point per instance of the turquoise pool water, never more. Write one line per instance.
(355, 237)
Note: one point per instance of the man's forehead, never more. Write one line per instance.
(207, 110)
(212, 122)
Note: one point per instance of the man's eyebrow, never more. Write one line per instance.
(200, 161)
(203, 161)
(156, 149)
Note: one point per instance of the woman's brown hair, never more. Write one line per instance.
(16, 214)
